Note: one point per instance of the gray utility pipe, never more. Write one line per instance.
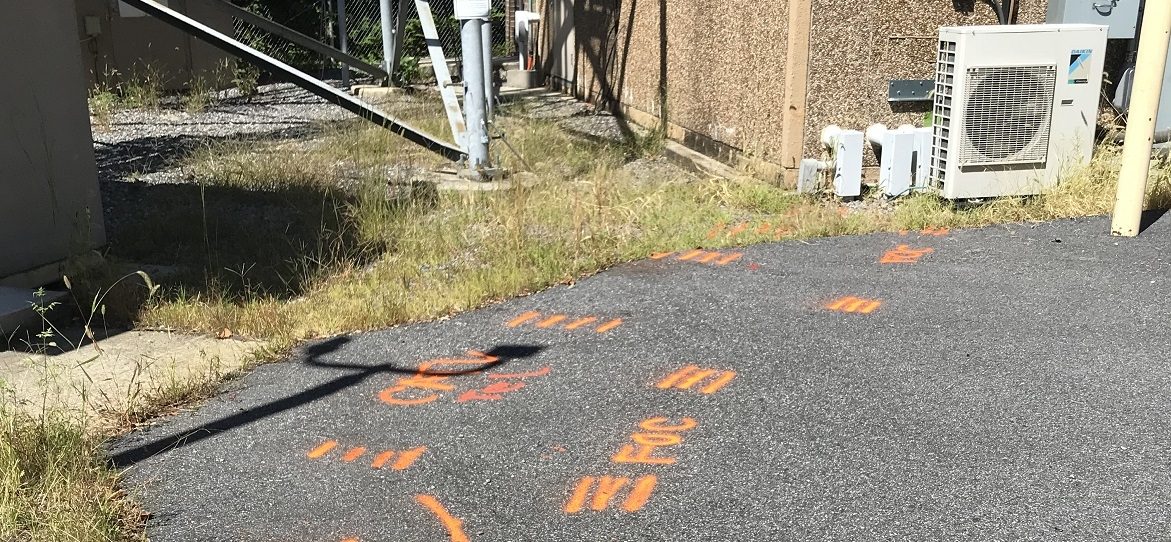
(343, 39)
(388, 45)
(486, 40)
(475, 101)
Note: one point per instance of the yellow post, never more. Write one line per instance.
(1140, 124)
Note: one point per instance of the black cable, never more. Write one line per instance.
(997, 8)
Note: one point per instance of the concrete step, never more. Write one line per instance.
(19, 319)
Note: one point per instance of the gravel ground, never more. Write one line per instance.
(144, 145)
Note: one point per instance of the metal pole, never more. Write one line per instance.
(474, 98)
(389, 51)
(1140, 124)
(489, 93)
(343, 40)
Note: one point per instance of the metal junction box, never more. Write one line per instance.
(1120, 15)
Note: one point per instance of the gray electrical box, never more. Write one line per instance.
(1120, 15)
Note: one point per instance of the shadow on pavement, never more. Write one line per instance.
(1150, 217)
(128, 457)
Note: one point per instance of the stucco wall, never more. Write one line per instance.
(857, 46)
(127, 45)
(726, 63)
(723, 64)
(50, 205)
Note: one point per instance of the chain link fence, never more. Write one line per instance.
(318, 20)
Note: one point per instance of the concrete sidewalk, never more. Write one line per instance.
(1002, 383)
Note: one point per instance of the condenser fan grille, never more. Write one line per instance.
(1007, 115)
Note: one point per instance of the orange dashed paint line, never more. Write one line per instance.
(695, 377)
(381, 459)
(674, 377)
(641, 493)
(580, 322)
(729, 258)
(720, 382)
(322, 449)
(660, 255)
(524, 317)
(689, 255)
(904, 254)
(609, 325)
(854, 305)
(607, 487)
(353, 454)
(764, 228)
(709, 257)
(453, 525)
(937, 232)
(550, 321)
(350, 539)
(580, 493)
(739, 228)
(689, 376)
(408, 458)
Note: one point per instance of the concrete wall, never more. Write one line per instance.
(754, 78)
(50, 206)
(128, 45)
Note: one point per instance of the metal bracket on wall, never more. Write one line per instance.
(910, 90)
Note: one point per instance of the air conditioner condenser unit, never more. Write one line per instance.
(1014, 106)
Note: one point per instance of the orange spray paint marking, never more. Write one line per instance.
(764, 228)
(323, 449)
(408, 458)
(660, 255)
(695, 377)
(524, 317)
(689, 255)
(550, 321)
(715, 231)
(902, 232)
(453, 525)
(729, 258)
(609, 325)
(539, 372)
(937, 232)
(905, 254)
(381, 459)
(779, 233)
(641, 493)
(350, 539)
(353, 454)
(709, 257)
(739, 228)
(689, 376)
(492, 392)
(580, 322)
(401, 392)
(854, 305)
(607, 488)
(655, 433)
(720, 382)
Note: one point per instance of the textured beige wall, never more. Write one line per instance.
(725, 80)
(50, 205)
(858, 46)
(724, 64)
(126, 44)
